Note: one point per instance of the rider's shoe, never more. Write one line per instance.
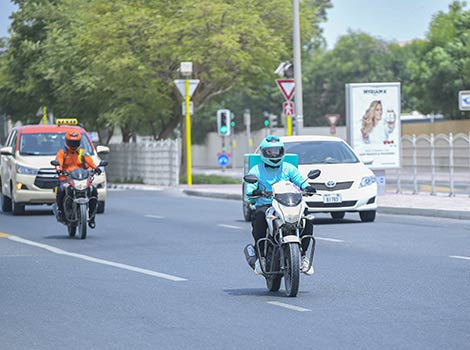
(250, 255)
(258, 270)
(60, 216)
(92, 223)
(305, 264)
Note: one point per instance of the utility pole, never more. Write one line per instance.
(299, 112)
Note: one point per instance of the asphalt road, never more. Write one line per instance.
(163, 270)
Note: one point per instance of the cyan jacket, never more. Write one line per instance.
(268, 176)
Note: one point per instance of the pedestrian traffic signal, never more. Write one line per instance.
(223, 122)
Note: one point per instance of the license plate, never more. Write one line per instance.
(332, 198)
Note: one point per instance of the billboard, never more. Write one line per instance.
(373, 122)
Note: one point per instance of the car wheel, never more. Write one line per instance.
(17, 209)
(6, 203)
(100, 208)
(367, 216)
(337, 214)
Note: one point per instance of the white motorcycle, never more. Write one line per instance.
(281, 247)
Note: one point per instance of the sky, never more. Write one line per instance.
(391, 20)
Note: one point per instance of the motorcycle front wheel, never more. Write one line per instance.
(82, 216)
(292, 268)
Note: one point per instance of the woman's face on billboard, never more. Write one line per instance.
(378, 112)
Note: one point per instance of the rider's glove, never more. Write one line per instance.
(310, 189)
(257, 192)
(98, 170)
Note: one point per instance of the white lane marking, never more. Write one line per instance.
(460, 257)
(329, 239)
(98, 261)
(230, 226)
(154, 216)
(287, 306)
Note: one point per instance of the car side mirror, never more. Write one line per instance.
(367, 160)
(313, 174)
(104, 162)
(6, 151)
(55, 162)
(250, 178)
(102, 149)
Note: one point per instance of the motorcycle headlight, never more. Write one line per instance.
(291, 218)
(367, 181)
(24, 170)
(81, 184)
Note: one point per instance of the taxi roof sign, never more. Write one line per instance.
(66, 121)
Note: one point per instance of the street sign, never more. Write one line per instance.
(181, 85)
(191, 107)
(223, 159)
(287, 87)
(288, 108)
(464, 100)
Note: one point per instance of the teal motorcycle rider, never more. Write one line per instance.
(272, 169)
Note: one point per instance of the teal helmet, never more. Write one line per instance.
(272, 151)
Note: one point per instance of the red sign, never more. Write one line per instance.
(288, 108)
(287, 87)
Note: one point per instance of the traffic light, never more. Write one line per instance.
(266, 119)
(223, 122)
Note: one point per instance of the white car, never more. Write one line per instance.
(26, 175)
(345, 184)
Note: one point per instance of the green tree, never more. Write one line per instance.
(443, 68)
(356, 58)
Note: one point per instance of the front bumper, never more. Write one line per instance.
(352, 200)
(26, 190)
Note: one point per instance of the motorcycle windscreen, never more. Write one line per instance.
(289, 199)
(79, 174)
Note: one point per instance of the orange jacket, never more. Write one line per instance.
(70, 160)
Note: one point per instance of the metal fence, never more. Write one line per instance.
(433, 163)
(152, 163)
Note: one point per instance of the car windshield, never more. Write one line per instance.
(321, 152)
(47, 144)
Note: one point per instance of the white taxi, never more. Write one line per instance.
(26, 175)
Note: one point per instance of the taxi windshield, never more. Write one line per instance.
(47, 144)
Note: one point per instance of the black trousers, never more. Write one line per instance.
(259, 227)
(93, 195)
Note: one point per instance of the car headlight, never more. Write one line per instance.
(24, 170)
(367, 181)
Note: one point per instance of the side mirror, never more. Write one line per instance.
(6, 151)
(250, 179)
(55, 162)
(104, 162)
(367, 160)
(102, 149)
(313, 174)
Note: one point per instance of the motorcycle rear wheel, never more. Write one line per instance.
(82, 221)
(292, 269)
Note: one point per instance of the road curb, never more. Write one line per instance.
(219, 195)
(430, 212)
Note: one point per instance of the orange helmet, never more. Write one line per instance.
(73, 139)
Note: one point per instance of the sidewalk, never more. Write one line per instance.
(422, 204)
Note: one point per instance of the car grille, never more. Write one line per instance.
(320, 186)
(46, 178)
(331, 205)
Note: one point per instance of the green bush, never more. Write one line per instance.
(210, 180)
